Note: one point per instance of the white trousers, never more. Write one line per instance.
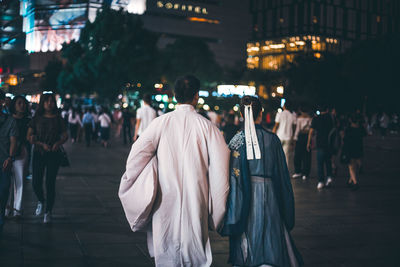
(17, 183)
(286, 149)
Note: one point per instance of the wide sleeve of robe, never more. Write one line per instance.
(143, 150)
(138, 187)
(218, 172)
(282, 184)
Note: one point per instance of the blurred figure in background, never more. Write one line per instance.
(89, 126)
(105, 126)
(74, 122)
(322, 126)
(144, 115)
(8, 146)
(127, 122)
(284, 128)
(47, 131)
(96, 130)
(353, 149)
(302, 157)
(19, 109)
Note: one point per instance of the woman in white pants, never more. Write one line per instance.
(19, 110)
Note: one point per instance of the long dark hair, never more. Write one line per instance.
(43, 98)
(13, 110)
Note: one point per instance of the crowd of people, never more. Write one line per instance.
(223, 172)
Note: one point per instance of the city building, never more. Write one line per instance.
(11, 36)
(281, 29)
(224, 25)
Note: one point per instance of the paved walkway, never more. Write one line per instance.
(334, 227)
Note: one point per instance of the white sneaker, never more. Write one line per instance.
(39, 209)
(304, 177)
(328, 182)
(296, 175)
(47, 217)
(320, 185)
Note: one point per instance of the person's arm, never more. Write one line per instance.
(63, 138)
(275, 127)
(218, 177)
(13, 147)
(310, 135)
(277, 120)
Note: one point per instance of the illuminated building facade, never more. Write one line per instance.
(225, 25)
(50, 23)
(284, 28)
(11, 37)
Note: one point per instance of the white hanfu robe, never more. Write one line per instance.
(193, 169)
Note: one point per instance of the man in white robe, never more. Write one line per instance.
(193, 168)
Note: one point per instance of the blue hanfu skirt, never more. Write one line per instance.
(265, 242)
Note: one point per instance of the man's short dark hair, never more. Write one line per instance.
(147, 98)
(186, 87)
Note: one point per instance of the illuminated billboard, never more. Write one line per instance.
(50, 23)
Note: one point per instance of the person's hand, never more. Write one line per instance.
(55, 147)
(308, 147)
(7, 164)
(46, 147)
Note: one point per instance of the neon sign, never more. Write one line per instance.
(182, 7)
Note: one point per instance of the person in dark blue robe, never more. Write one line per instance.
(260, 207)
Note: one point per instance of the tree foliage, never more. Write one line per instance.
(364, 75)
(112, 51)
(190, 55)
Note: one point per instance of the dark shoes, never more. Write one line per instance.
(353, 187)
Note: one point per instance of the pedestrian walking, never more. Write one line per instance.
(284, 128)
(322, 125)
(192, 160)
(20, 112)
(144, 116)
(302, 156)
(105, 126)
(47, 132)
(260, 206)
(88, 125)
(352, 151)
(74, 123)
(116, 118)
(96, 130)
(127, 119)
(8, 147)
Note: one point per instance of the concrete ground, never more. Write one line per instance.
(334, 227)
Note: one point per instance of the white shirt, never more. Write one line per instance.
(303, 124)
(76, 120)
(146, 114)
(286, 121)
(105, 120)
(193, 170)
